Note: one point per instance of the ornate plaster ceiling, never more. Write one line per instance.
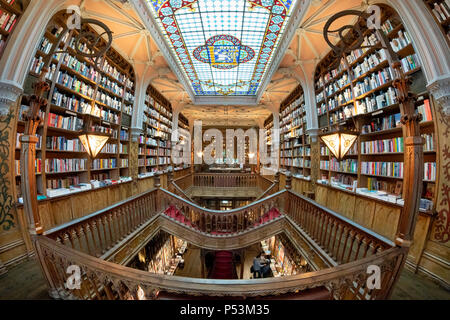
(133, 40)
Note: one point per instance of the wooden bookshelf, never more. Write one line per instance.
(295, 151)
(155, 143)
(183, 131)
(78, 89)
(440, 10)
(10, 13)
(268, 127)
(361, 85)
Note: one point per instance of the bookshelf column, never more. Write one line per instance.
(134, 152)
(315, 157)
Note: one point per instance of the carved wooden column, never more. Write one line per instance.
(28, 179)
(315, 158)
(414, 159)
(133, 159)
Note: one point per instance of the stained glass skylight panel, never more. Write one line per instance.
(224, 47)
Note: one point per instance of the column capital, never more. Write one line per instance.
(314, 134)
(135, 134)
(9, 93)
(440, 89)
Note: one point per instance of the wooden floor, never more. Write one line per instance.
(25, 282)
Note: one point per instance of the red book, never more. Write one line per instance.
(12, 25)
(428, 110)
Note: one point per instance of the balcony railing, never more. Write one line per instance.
(81, 242)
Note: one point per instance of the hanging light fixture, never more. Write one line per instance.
(340, 142)
(92, 141)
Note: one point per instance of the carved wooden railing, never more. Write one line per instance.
(341, 238)
(102, 280)
(269, 186)
(213, 221)
(228, 180)
(97, 233)
(82, 241)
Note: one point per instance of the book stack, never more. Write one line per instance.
(429, 143)
(441, 10)
(425, 111)
(402, 41)
(7, 19)
(430, 171)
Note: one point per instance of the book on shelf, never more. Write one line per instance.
(441, 10)
(425, 111)
(383, 169)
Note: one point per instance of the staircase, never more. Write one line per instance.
(224, 267)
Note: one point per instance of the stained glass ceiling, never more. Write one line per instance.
(224, 47)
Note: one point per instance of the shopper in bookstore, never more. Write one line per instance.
(116, 116)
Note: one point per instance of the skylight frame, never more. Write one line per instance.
(247, 96)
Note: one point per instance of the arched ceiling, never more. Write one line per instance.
(134, 42)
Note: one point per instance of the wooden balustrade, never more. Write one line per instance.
(97, 233)
(83, 241)
(344, 240)
(102, 280)
(213, 221)
(229, 180)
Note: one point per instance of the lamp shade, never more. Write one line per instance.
(340, 142)
(93, 142)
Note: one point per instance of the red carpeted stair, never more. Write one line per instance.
(223, 266)
(269, 216)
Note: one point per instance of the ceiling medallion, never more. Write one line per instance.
(224, 52)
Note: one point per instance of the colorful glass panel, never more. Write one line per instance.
(224, 46)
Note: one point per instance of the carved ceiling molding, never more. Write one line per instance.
(9, 93)
(441, 92)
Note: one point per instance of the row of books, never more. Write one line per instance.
(382, 124)
(429, 171)
(65, 165)
(7, 20)
(123, 148)
(395, 145)
(402, 41)
(38, 166)
(370, 62)
(123, 163)
(92, 74)
(410, 63)
(124, 135)
(64, 144)
(110, 148)
(72, 83)
(385, 169)
(347, 166)
(99, 164)
(374, 81)
(302, 163)
(377, 101)
(67, 123)
(425, 110)
(63, 183)
(429, 142)
(441, 10)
